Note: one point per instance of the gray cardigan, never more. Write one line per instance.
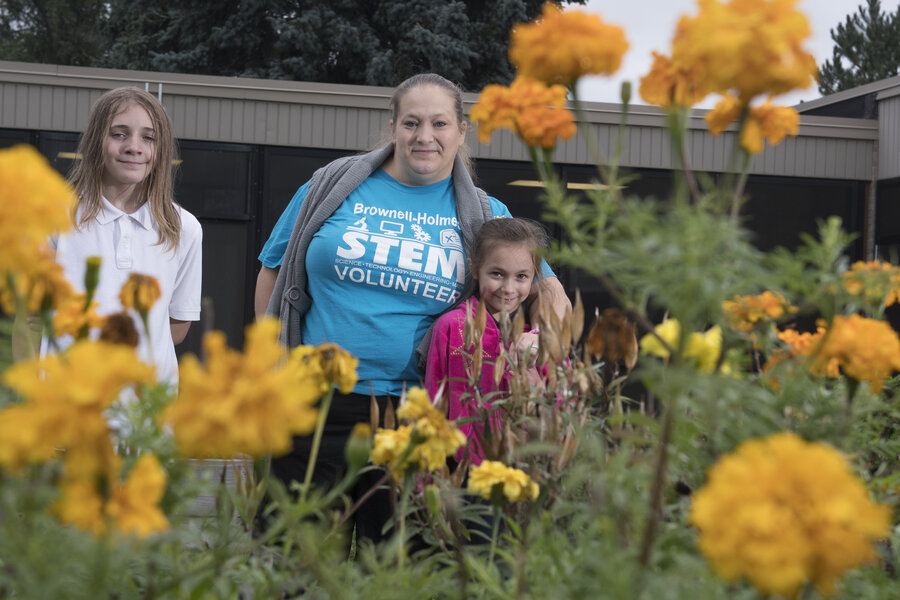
(328, 188)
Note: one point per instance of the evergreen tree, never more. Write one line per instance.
(370, 42)
(62, 32)
(867, 49)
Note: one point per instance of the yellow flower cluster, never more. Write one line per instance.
(40, 284)
(669, 84)
(744, 312)
(865, 349)
(132, 506)
(533, 110)
(780, 511)
(424, 444)
(746, 47)
(253, 402)
(66, 396)
(561, 46)
(877, 282)
(71, 317)
(139, 292)
(515, 484)
(764, 122)
(702, 349)
(36, 204)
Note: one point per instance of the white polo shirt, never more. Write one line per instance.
(129, 244)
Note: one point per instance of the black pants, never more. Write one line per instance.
(346, 411)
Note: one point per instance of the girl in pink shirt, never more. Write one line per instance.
(503, 264)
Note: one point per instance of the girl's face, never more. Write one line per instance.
(129, 149)
(504, 277)
(426, 136)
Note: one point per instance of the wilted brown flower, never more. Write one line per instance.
(119, 329)
(613, 337)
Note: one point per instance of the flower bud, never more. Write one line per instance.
(358, 446)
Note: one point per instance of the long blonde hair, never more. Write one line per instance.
(157, 189)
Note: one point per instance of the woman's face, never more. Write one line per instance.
(426, 136)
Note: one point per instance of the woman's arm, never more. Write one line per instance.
(265, 284)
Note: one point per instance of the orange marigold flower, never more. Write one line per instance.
(36, 204)
(667, 84)
(781, 511)
(529, 108)
(876, 282)
(40, 284)
(561, 46)
(724, 113)
(768, 122)
(140, 292)
(746, 47)
(865, 349)
(744, 312)
(71, 317)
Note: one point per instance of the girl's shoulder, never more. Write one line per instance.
(190, 226)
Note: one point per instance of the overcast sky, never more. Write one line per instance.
(649, 25)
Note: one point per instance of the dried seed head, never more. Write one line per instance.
(613, 337)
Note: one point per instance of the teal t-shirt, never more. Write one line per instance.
(380, 269)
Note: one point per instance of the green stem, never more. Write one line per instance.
(317, 441)
(494, 534)
(659, 478)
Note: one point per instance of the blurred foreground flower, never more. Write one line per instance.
(865, 349)
(764, 122)
(40, 285)
(140, 292)
(130, 506)
(252, 402)
(781, 511)
(496, 482)
(561, 46)
(36, 204)
(745, 47)
(529, 108)
(425, 443)
(66, 395)
(668, 84)
(612, 337)
(745, 312)
(702, 349)
(876, 282)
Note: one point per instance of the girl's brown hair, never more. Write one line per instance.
(86, 175)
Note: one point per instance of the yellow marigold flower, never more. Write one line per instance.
(768, 122)
(80, 504)
(40, 284)
(336, 364)
(71, 317)
(140, 292)
(780, 511)
(36, 204)
(515, 484)
(746, 47)
(877, 282)
(744, 312)
(245, 403)
(667, 84)
(724, 113)
(865, 349)
(88, 374)
(704, 349)
(134, 505)
(670, 331)
(527, 107)
(131, 506)
(432, 436)
(560, 47)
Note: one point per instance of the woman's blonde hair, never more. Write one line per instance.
(86, 175)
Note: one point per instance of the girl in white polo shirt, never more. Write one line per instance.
(126, 214)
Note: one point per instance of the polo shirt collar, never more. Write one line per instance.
(109, 213)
